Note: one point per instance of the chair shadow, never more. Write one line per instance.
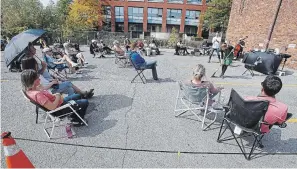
(238, 77)
(288, 72)
(99, 108)
(91, 67)
(272, 144)
(83, 78)
(160, 80)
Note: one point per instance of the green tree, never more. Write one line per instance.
(19, 15)
(217, 14)
(83, 15)
(173, 38)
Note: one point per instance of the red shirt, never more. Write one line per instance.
(276, 113)
(41, 97)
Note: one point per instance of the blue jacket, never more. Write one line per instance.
(137, 59)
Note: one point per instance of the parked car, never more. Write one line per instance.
(3, 44)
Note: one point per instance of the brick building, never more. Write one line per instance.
(254, 18)
(141, 16)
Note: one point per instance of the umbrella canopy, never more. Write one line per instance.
(16, 46)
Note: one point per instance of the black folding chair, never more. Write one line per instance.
(139, 71)
(248, 116)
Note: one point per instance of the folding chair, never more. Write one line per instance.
(247, 116)
(139, 71)
(251, 67)
(121, 60)
(54, 119)
(57, 69)
(195, 98)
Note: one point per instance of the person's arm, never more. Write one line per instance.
(40, 87)
(44, 66)
(213, 89)
(53, 105)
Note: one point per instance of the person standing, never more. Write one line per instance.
(227, 56)
(215, 47)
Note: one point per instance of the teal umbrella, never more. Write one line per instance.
(17, 45)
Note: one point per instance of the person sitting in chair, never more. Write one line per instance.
(277, 111)
(59, 63)
(198, 74)
(94, 48)
(153, 46)
(105, 48)
(31, 83)
(116, 48)
(139, 62)
(75, 54)
(55, 85)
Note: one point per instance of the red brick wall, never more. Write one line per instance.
(253, 18)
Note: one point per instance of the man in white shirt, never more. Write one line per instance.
(215, 46)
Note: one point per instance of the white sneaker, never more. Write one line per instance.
(75, 64)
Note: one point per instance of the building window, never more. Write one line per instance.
(192, 18)
(154, 15)
(119, 14)
(208, 1)
(176, 1)
(119, 27)
(154, 28)
(155, 0)
(191, 30)
(174, 16)
(106, 15)
(196, 2)
(135, 15)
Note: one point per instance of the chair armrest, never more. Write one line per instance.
(60, 108)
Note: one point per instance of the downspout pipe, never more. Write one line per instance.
(273, 24)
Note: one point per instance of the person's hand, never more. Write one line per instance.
(221, 88)
(55, 81)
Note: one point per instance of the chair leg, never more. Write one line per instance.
(245, 71)
(52, 131)
(220, 132)
(36, 109)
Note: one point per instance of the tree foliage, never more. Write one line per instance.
(217, 14)
(66, 16)
(83, 15)
(173, 38)
(19, 15)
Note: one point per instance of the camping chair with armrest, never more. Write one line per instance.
(121, 60)
(57, 68)
(195, 98)
(246, 116)
(139, 71)
(54, 119)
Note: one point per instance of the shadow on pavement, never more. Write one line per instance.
(99, 108)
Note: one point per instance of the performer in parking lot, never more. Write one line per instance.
(227, 56)
(215, 47)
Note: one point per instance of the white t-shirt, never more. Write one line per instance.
(216, 42)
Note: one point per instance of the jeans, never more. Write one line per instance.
(218, 53)
(152, 65)
(81, 107)
(64, 87)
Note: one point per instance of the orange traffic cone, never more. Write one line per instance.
(15, 157)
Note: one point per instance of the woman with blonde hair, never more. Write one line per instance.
(197, 80)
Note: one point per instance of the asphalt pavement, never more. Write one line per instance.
(133, 124)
